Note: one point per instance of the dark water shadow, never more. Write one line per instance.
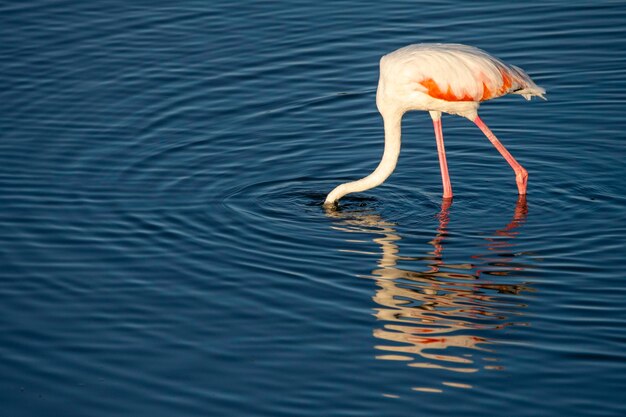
(439, 315)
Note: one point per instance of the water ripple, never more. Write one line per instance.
(163, 240)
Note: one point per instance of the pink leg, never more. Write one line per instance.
(521, 175)
(447, 186)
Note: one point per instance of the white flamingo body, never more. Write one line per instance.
(439, 78)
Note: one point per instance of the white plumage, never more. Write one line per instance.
(439, 78)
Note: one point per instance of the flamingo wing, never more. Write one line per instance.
(462, 73)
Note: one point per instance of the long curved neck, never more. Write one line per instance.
(393, 122)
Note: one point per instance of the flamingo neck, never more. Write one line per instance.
(392, 122)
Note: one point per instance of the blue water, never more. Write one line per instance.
(164, 250)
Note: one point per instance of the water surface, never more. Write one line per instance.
(164, 250)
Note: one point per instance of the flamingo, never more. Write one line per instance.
(439, 78)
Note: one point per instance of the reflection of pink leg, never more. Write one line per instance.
(521, 175)
(447, 187)
(521, 212)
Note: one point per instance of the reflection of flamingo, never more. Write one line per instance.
(445, 306)
(439, 78)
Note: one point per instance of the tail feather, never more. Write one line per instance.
(528, 87)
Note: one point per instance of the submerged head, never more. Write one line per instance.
(332, 199)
